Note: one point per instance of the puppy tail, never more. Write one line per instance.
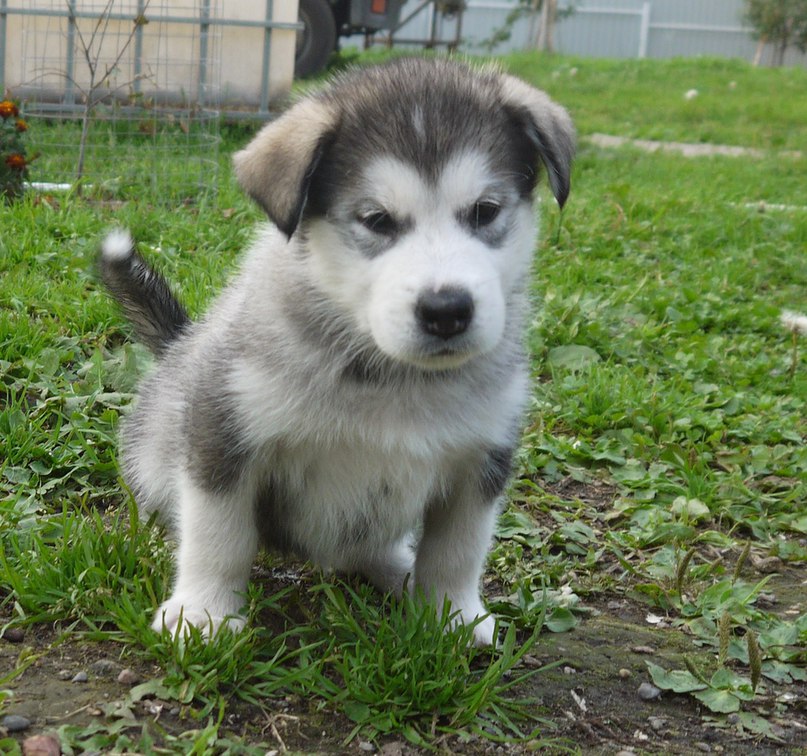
(156, 314)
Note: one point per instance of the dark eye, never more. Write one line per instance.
(379, 222)
(483, 213)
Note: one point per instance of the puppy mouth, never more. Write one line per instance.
(442, 357)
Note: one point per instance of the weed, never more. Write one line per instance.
(399, 667)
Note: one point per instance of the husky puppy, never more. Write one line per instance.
(355, 394)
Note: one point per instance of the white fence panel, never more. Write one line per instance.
(608, 28)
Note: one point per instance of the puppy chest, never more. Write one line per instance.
(321, 501)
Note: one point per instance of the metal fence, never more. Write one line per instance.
(123, 96)
(117, 102)
(608, 28)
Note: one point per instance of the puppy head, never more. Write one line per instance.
(411, 185)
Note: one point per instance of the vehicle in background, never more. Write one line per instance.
(324, 21)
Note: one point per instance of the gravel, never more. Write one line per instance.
(648, 692)
(15, 723)
(41, 745)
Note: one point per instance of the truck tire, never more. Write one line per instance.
(317, 40)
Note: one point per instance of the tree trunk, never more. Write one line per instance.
(779, 53)
(545, 40)
(763, 40)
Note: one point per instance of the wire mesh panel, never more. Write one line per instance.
(121, 96)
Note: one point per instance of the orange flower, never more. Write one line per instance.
(16, 162)
(8, 109)
(21, 125)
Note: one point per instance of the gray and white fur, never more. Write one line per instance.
(355, 394)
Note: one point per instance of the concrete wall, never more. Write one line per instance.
(36, 63)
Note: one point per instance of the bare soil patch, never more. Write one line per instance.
(592, 696)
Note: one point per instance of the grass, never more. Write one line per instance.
(645, 98)
(664, 460)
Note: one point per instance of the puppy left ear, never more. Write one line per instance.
(277, 166)
(549, 128)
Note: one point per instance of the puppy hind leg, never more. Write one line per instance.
(218, 540)
(388, 569)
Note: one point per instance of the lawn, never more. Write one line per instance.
(655, 534)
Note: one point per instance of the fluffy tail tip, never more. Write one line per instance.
(118, 245)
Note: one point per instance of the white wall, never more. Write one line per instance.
(36, 51)
(609, 28)
(242, 51)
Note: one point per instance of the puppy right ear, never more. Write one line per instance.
(549, 128)
(276, 167)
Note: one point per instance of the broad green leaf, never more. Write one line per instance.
(17, 475)
(572, 356)
(781, 634)
(356, 711)
(720, 701)
(153, 689)
(756, 724)
(514, 522)
(560, 620)
(676, 680)
(690, 509)
(726, 679)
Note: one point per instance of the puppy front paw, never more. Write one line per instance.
(178, 615)
(484, 632)
(468, 609)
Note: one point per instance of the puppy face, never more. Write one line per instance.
(425, 265)
(409, 187)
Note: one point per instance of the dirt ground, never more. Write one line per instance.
(591, 696)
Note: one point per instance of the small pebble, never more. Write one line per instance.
(569, 671)
(105, 668)
(625, 673)
(15, 723)
(128, 677)
(79, 677)
(366, 747)
(766, 600)
(648, 692)
(392, 749)
(153, 708)
(767, 564)
(14, 634)
(656, 722)
(705, 747)
(41, 745)
(528, 660)
(643, 649)
(65, 674)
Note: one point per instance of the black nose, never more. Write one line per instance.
(446, 312)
